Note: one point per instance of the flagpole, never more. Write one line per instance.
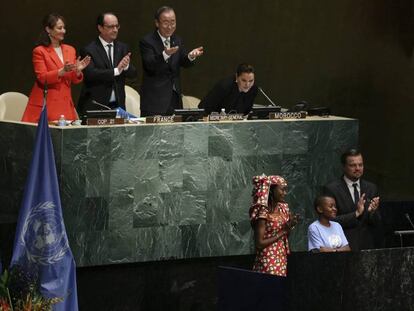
(41, 241)
(44, 95)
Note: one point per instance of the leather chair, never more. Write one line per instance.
(132, 101)
(12, 106)
(190, 102)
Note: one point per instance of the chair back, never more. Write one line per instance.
(190, 102)
(132, 101)
(12, 106)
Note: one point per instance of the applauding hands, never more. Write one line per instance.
(196, 53)
(124, 63)
(293, 221)
(372, 207)
(77, 67)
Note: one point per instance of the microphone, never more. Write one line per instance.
(267, 97)
(99, 104)
(300, 106)
(409, 219)
(45, 89)
(44, 94)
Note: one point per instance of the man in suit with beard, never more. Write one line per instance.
(163, 54)
(357, 202)
(104, 81)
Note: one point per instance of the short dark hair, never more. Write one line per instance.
(162, 10)
(319, 200)
(244, 68)
(101, 17)
(349, 153)
(50, 20)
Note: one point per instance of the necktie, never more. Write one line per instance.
(167, 43)
(109, 54)
(356, 193)
(113, 93)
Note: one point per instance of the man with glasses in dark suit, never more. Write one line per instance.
(104, 81)
(163, 54)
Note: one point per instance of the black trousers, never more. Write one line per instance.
(176, 103)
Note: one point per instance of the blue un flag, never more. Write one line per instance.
(41, 242)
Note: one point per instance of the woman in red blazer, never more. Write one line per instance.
(56, 65)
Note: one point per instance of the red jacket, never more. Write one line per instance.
(46, 65)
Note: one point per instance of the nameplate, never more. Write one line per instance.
(227, 117)
(163, 119)
(105, 121)
(288, 115)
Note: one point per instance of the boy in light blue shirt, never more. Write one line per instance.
(325, 235)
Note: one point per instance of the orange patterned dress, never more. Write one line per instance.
(272, 259)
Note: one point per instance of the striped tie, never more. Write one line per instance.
(167, 43)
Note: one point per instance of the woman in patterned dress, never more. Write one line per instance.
(272, 221)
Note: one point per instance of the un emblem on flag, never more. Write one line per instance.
(43, 235)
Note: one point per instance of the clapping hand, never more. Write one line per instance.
(78, 66)
(68, 67)
(360, 206)
(124, 63)
(373, 205)
(196, 53)
(171, 50)
(82, 63)
(293, 221)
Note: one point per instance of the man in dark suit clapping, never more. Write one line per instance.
(357, 202)
(104, 81)
(163, 55)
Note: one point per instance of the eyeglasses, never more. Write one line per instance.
(117, 26)
(168, 23)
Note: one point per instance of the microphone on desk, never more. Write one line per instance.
(99, 104)
(300, 106)
(409, 219)
(267, 97)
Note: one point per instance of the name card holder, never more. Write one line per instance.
(164, 119)
(227, 117)
(104, 121)
(287, 115)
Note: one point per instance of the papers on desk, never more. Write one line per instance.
(137, 120)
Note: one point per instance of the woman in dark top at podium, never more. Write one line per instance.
(56, 67)
(234, 94)
(272, 221)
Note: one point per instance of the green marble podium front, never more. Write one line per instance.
(139, 193)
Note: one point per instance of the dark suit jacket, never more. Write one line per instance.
(99, 79)
(360, 231)
(226, 94)
(160, 78)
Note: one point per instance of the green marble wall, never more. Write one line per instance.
(157, 192)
